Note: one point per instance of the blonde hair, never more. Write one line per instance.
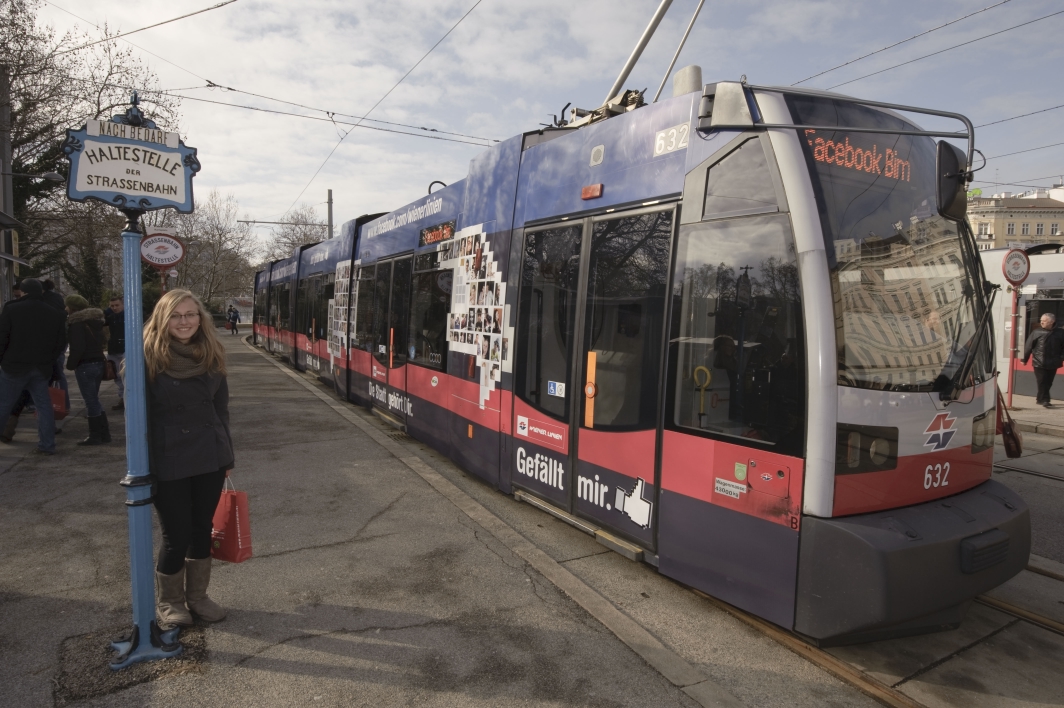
(205, 343)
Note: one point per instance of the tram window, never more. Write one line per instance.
(740, 183)
(876, 193)
(628, 267)
(737, 363)
(550, 270)
(429, 307)
(363, 325)
(380, 311)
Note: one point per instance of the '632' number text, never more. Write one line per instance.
(936, 476)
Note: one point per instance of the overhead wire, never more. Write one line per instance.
(941, 51)
(157, 24)
(896, 44)
(1005, 120)
(148, 92)
(381, 100)
(1018, 152)
(209, 84)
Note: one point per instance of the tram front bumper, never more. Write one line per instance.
(908, 570)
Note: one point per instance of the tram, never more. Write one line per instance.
(740, 334)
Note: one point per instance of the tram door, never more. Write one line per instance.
(591, 319)
(391, 316)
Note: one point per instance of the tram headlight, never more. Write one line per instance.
(879, 452)
(984, 427)
(865, 448)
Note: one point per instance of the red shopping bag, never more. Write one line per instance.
(59, 406)
(231, 536)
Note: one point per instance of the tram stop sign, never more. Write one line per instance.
(1016, 266)
(161, 250)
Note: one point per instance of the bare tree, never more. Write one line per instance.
(220, 253)
(52, 89)
(302, 226)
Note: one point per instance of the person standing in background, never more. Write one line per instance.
(115, 317)
(32, 336)
(234, 319)
(1046, 345)
(53, 298)
(85, 333)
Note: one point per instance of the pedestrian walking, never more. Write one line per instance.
(1046, 346)
(86, 336)
(32, 336)
(233, 317)
(190, 448)
(115, 317)
(53, 298)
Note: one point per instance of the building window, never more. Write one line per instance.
(1025, 230)
(1011, 229)
(984, 228)
(1039, 229)
(1054, 229)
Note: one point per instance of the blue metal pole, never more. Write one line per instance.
(146, 642)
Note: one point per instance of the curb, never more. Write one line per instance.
(1040, 428)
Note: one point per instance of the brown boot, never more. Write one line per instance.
(9, 429)
(170, 607)
(197, 578)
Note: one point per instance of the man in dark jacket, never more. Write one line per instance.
(32, 336)
(1046, 345)
(53, 298)
(115, 317)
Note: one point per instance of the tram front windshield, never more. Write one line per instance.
(902, 280)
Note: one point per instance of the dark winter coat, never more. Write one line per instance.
(188, 426)
(116, 325)
(55, 300)
(32, 335)
(85, 332)
(1047, 348)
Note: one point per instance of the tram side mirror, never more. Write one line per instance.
(724, 105)
(951, 171)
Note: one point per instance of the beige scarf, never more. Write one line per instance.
(183, 362)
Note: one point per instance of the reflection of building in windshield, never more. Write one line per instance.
(901, 303)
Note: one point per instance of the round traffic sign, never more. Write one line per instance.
(173, 273)
(1016, 266)
(161, 250)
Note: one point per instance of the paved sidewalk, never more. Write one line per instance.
(1033, 418)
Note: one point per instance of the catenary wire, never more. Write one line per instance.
(1007, 154)
(1005, 120)
(157, 24)
(962, 44)
(381, 100)
(896, 44)
(212, 84)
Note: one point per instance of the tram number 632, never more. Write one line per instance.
(940, 478)
(671, 139)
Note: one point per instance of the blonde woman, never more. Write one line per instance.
(191, 450)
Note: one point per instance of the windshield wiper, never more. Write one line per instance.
(974, 345)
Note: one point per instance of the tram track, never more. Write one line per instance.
(1046, 475)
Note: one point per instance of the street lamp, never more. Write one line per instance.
(52, 176)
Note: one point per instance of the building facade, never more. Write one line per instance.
(1007, 219)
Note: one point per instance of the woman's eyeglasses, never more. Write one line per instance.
(191, 317)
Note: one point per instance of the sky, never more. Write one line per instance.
(510, 65)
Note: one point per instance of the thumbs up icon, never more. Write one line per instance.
(634, 505)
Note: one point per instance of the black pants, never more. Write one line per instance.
(1044, 377)
(186, 512)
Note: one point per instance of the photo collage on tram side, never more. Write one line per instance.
(477, 322)
(338, 310)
